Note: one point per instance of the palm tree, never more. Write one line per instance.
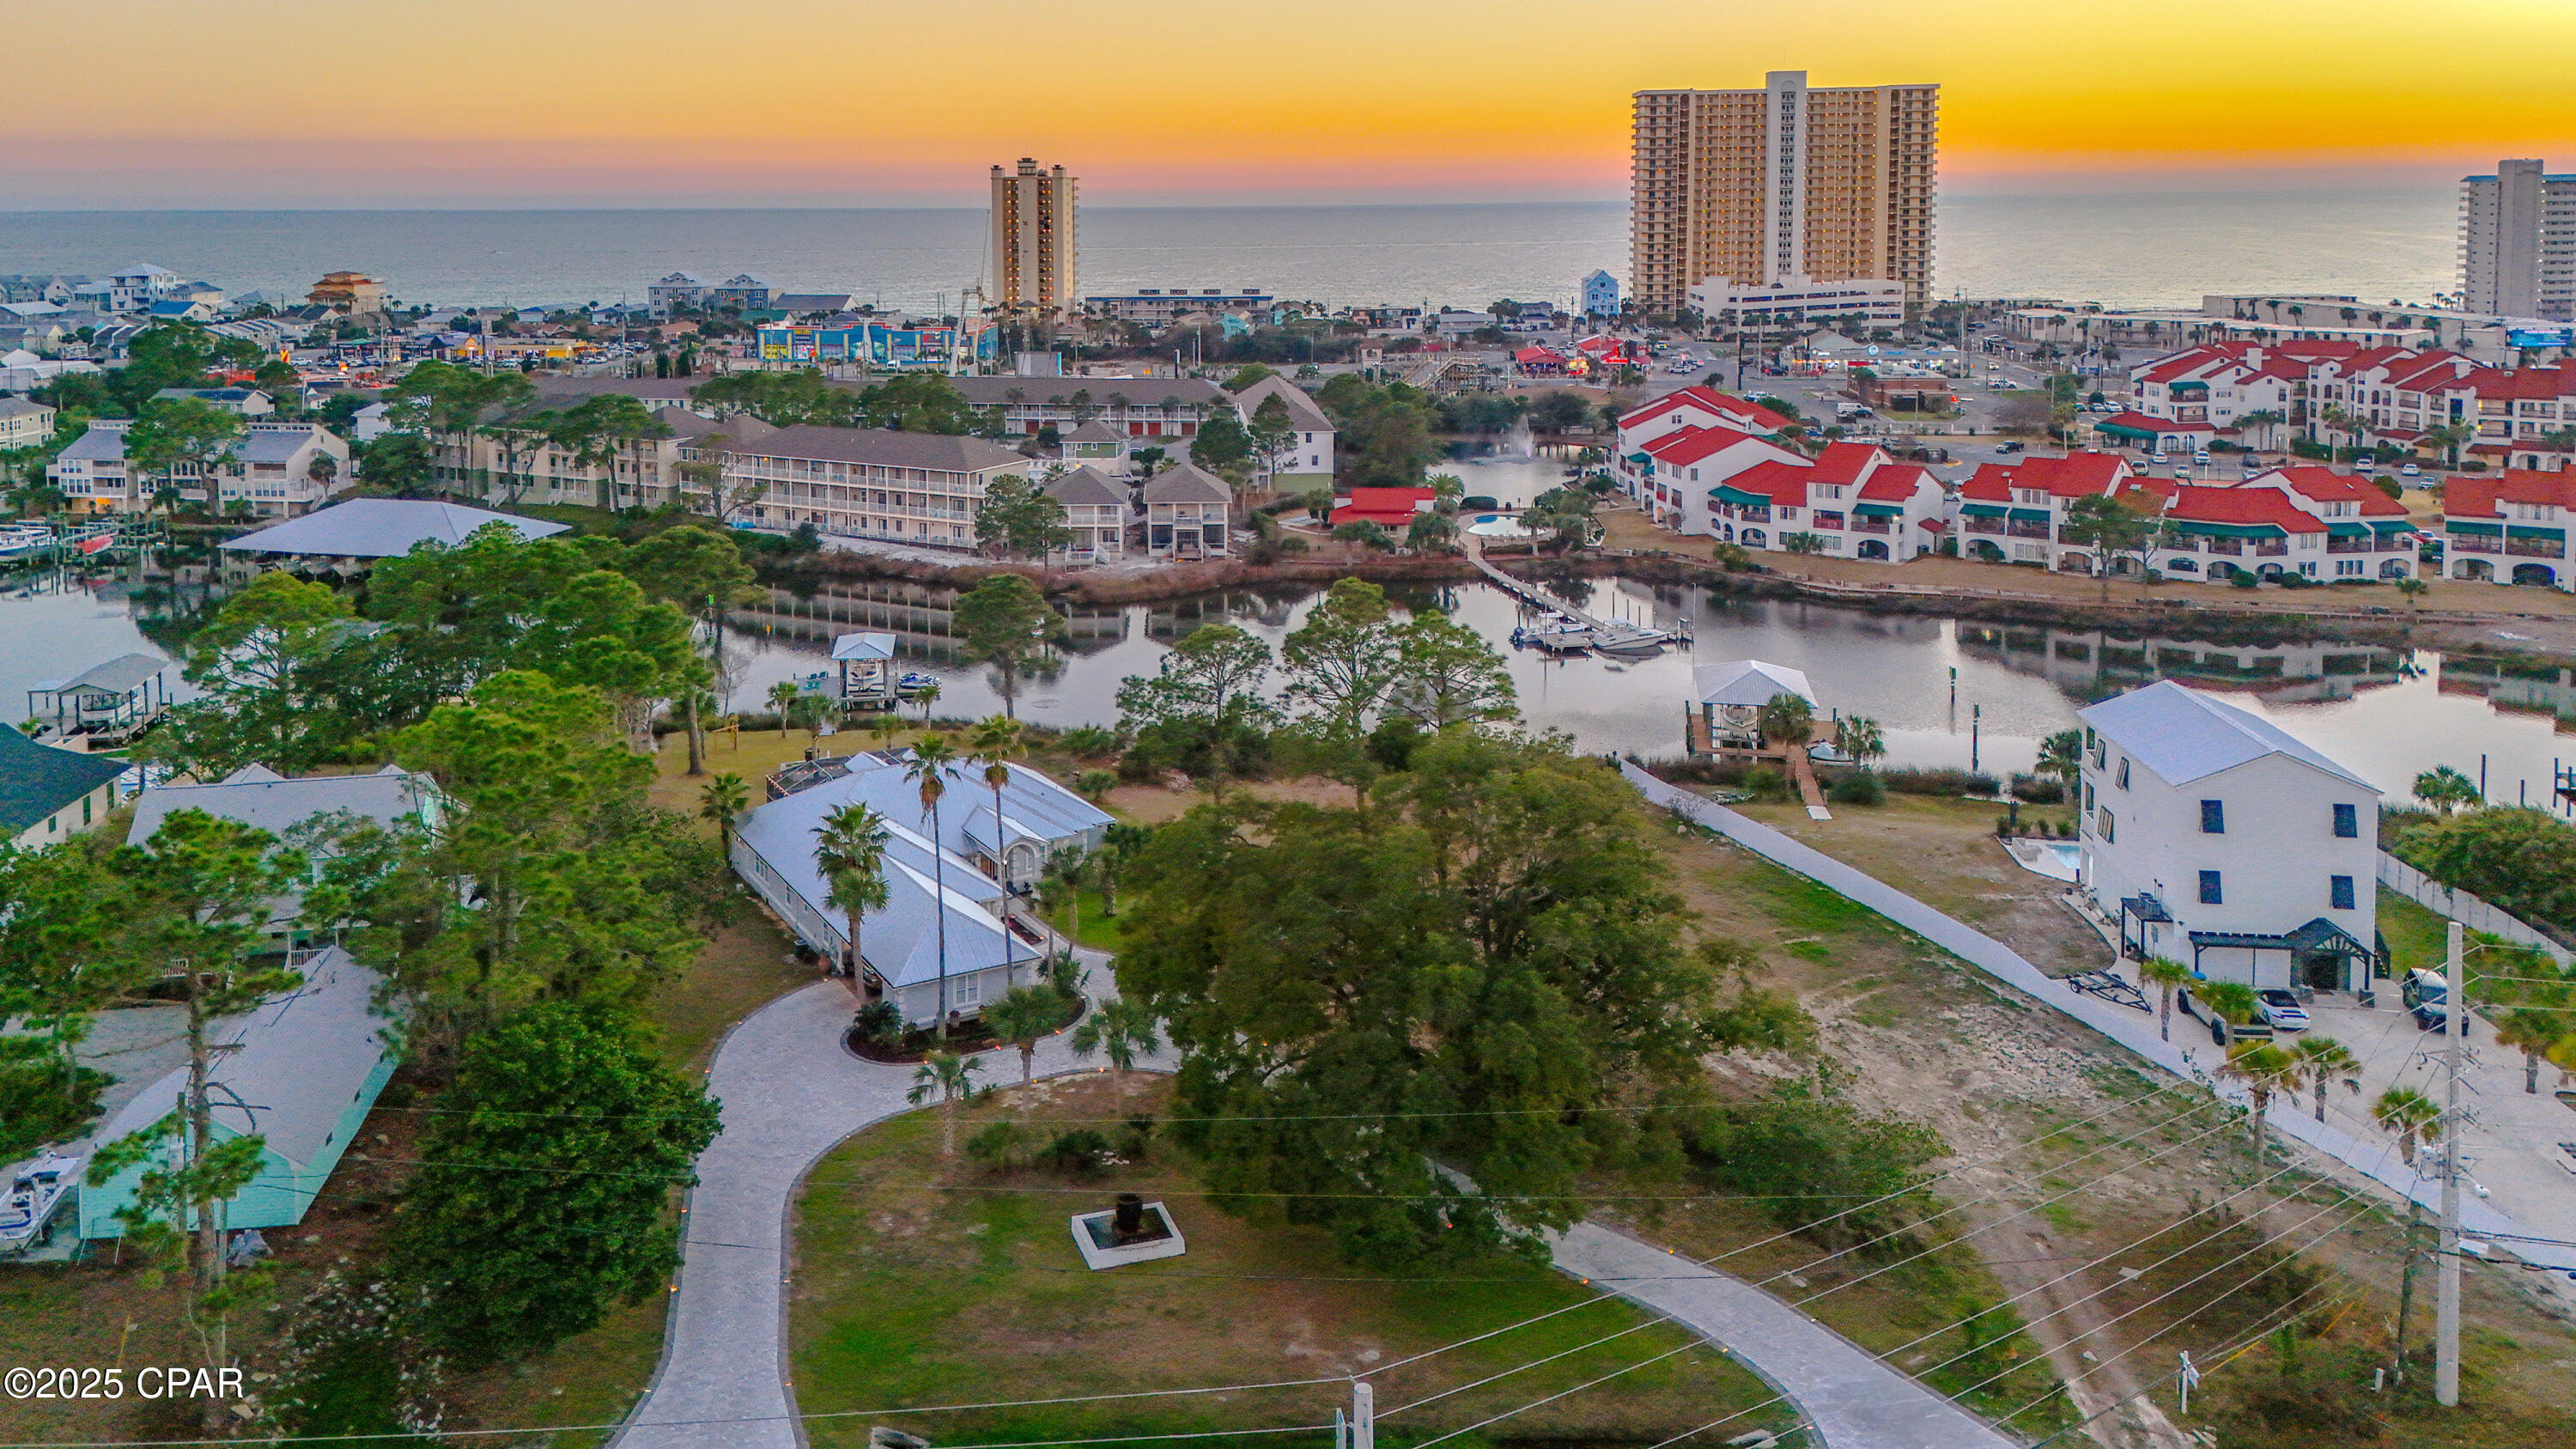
(950, 1076)
(782, 698)
(2413, 589)
(1024, 1014)
(2062, 755)
(849, 848)
(1786, 720)
(2415, 1120)
(2232, 1003)
(932, 758)
(1060, 887)
(1122, 1031)
(997, 741)
(2446, 789)
(1860, 737)
(2532, 1031)
(926, 697)
(2164, 973)
(885, 727)
(2263, 1069)
(2322, 1062)
(720, 800)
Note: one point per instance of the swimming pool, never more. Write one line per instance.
(2055, 859)
(1496, 525)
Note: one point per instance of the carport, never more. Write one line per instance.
(2318, 949)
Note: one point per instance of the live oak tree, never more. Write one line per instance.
(562, 1129)
(1005, 622)
(1458, 977)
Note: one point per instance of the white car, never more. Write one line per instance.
(2410, 471)
(2280, 1011)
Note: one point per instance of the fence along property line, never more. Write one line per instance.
(2464, 908)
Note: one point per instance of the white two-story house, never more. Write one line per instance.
(1308, 458)
(2216, 839)
(1095, 509)
(1186, 514)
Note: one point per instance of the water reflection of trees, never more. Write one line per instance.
(2092, 664)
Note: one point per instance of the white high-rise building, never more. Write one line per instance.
(1755, 195)
(2518, 242)
(1034, 240)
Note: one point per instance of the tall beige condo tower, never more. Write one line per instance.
(1033, 240)
(2518, 242)
(1781, 185)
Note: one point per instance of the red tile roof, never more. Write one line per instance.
(1689, 445)
(2147, 424)
(2072, 476)
(1894, 483)
(2241, 505)
(2471, 496)
(1847, 462)
(2325, 485)
(1785, 482)
(1749, 416)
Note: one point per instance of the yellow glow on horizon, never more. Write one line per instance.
(1160, 96)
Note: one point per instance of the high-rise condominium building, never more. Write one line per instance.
(1034, 240)
(2518, 243)
(1776, 188)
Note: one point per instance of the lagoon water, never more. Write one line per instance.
(2389, 714)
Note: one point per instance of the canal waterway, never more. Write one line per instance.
(1944, 691)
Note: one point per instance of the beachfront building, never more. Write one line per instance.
(679, 290)
(1187, 514)
(1851, 501)
(1307, 458)
(1034, 231)
(2016, 513)
(2510, 528)
(1096, 510)
(300, 1074)
(1155, 308)
(1598, 296)
(919, 488)
(49, 794)
(1728, 302)
(2214, 838)
(2518, 242)
(878, 345)
(1781, 186)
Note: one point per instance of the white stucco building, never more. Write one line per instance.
(2216, 839)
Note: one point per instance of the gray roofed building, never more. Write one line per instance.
(1303, 411)
(997, 390)
(110, 700)
(300, 1072)
(1087, 487)
(1186, 483)
(369, 528)
(273, 445)
(1095, 431)
(812, 301)
(261, 798)
(556, 390)
(900, 943)
(2184, 735)
(690, 427)
(883, 448)
(48, 794)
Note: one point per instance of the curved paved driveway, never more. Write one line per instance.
(791, 1094)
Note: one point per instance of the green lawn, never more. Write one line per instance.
(2416, 936)
(923, 1281)
(1100, 930)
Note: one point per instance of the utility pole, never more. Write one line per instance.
(2446, 1299)
(1363, 1415)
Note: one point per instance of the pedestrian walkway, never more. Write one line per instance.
(2376, 1159)
(1850, 1398)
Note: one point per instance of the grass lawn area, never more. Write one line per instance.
(2417, 936)
(1100, 930)
(928, 1281)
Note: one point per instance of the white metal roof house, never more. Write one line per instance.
(259, 797)
(362, 530)
(2217, 839)
(300, 1073)
(904, 954)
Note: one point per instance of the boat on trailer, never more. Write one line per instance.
(37, 1188)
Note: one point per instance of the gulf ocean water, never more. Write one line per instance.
(2133, 249)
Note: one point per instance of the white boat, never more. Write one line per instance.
(1555, 638)
(916, 683)
(1826, 752)
(1617, 637)
(37, 1188)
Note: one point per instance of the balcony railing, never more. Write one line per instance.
(2534, 548)
(2475, 543)
(2271, 548)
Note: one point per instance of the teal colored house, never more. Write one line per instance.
(300, 1073)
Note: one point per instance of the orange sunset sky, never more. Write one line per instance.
(796, 102)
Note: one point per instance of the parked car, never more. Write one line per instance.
(2280, 1010)
(2410, 471)
(2422, 987)
(2255, 1030)
(2008, 447)
(2429, 1017)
